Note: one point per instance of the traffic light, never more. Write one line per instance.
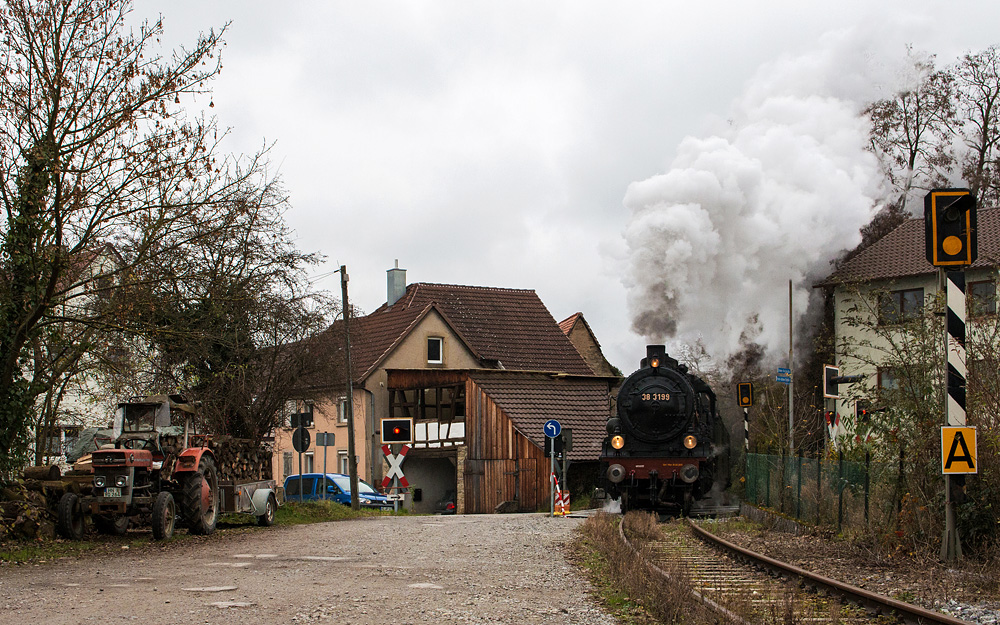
(830, 381)
(397, 430)
(744, 394)
(862, 412)
(557, 441)
(950, 227)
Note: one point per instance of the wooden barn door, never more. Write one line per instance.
(488, 483)
(527, 476)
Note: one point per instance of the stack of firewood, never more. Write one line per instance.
(237, 459)
(27, 505)
(240, 459)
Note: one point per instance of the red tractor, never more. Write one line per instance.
(149, 471)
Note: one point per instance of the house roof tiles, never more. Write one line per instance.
(503, 328)
(530, 399)
(902, 252)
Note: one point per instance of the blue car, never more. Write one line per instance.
(309, 487)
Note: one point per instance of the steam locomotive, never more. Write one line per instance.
(667, 447)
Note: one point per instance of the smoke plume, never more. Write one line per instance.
(775, 194)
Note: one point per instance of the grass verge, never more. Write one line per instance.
(13, 552)
(628, 588)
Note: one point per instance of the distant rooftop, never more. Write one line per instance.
(902, 253)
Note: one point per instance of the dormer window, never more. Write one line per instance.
(435, 350)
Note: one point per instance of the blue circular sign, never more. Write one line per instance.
(552, 428)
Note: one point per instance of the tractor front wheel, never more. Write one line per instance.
(70, 517)
(200, 492)
(163, 516)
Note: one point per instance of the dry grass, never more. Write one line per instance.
(627, 586)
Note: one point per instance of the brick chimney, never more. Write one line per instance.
(395, 284)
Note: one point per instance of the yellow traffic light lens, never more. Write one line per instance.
(951, 245)
(690, 441)
(654, 363)
(617, 442)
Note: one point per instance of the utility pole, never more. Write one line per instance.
(791, 384)
(352, 459)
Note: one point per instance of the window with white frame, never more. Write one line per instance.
(901, 306)
(307, 462)
(982, 298)
(435, 350)
(342, 410)
(888, 380)
(342, 462)
(288, 410)
(286, 459)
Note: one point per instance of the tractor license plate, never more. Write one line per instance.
(113, 491)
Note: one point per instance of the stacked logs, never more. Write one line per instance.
(237, 459)
(27, 505)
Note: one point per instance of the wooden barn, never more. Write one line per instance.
(487, 426)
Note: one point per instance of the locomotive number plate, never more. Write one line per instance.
(656, 397)
(112, 491)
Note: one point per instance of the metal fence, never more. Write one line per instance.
(825, 490)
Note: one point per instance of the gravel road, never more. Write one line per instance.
(412, 569)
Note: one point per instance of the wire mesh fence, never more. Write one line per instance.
(825, 490)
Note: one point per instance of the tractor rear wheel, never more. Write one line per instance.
(200, 497)
(113, 524)
(70, 517)
(163, 516)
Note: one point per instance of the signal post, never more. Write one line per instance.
(951, 245)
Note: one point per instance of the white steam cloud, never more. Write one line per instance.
(777, 193)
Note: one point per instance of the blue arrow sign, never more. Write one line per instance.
(552, 428)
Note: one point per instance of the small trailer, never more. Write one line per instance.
(260, 499)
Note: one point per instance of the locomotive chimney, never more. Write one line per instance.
(653, 350)
(395, 284)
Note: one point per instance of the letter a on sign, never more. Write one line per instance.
(958, 450)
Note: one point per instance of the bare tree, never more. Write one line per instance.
(232, 319)
(978, 122)
(95, 147)
(911, 133)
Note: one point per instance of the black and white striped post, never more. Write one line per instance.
(955, 302)
(954, 289)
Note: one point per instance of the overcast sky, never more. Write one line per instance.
(522, 144)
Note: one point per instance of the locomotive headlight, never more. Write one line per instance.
(690, 441)
(121, 480)
(99, 481)
(618, 441)
(654, 362)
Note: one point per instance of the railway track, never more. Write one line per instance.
(746, 587)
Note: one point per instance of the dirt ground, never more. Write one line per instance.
(414, 569)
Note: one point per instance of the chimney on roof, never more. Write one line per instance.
(395, 284)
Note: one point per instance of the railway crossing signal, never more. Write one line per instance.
(744, 394)
(397, 431)
(950, 227)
